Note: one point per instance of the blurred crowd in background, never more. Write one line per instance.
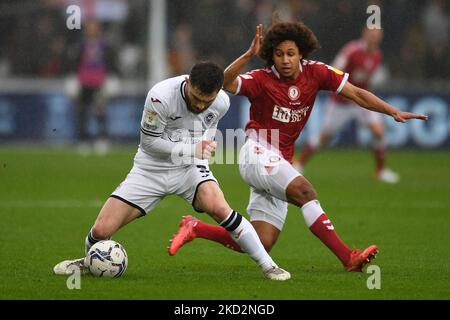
(35, 42)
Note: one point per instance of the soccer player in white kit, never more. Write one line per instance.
(177, 130)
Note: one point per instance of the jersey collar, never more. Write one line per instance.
(277, 74)
(182, 90)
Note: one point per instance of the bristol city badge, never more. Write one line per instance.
(294, 92)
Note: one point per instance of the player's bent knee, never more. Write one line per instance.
(300, 191)
(101, 232)
(219, 212)
(211, 200)
(215, 206)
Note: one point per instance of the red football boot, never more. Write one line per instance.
(184, 235)
(358, 259)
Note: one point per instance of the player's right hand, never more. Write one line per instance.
(257, 40)
(403, 116)
(205, 149)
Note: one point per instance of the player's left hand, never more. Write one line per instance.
(403, 116)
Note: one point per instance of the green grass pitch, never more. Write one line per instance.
(50, 198)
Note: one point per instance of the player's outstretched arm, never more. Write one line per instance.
(202, 150)
(231, 73)
(370, 101)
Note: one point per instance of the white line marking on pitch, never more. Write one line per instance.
(51, 203)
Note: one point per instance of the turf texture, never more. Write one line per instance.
(49, 198)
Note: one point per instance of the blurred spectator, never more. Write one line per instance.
(34, 40)
(181, 52)
(436, 25)
(412, 53)
(55, 62)
(94, 63)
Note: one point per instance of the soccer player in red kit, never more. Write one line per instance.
(360, 59)
(282, 96)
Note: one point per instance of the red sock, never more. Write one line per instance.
(379, 154)
(215, 233)
(324, 230)
(308, 151)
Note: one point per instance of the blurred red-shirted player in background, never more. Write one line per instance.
(360, 59)
(282, 96)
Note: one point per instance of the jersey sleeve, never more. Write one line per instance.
(249, 84)
(154, 116)
(330, 78)
(153, 123)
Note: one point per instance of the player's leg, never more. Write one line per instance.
(84, 102)
(191, 227)
(82, 109)
(301, 193)
(379, 148)
(114, 214)
(211, 200)
(337, 116)
(196, 228)
(137, 194)
(267, 217)
(206, 196)
(374, 122)
(101, 144)
(286, 184)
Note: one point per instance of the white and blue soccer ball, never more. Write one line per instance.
(106, 258)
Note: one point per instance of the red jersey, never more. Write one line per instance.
(286, 105)
(360, 64)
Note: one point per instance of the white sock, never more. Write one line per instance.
(245, 235)
(311, 211)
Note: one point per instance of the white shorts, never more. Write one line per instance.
(144, 188)
(338, 115)
(268, 175)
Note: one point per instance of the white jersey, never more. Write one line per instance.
(166, 117)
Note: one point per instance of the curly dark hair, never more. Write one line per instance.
(206, 76)
(298, 32)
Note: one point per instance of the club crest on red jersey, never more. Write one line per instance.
(293, 92)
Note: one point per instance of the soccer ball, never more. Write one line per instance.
(106, 258)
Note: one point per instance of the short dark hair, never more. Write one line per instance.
(206, 76)
(298, 32)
